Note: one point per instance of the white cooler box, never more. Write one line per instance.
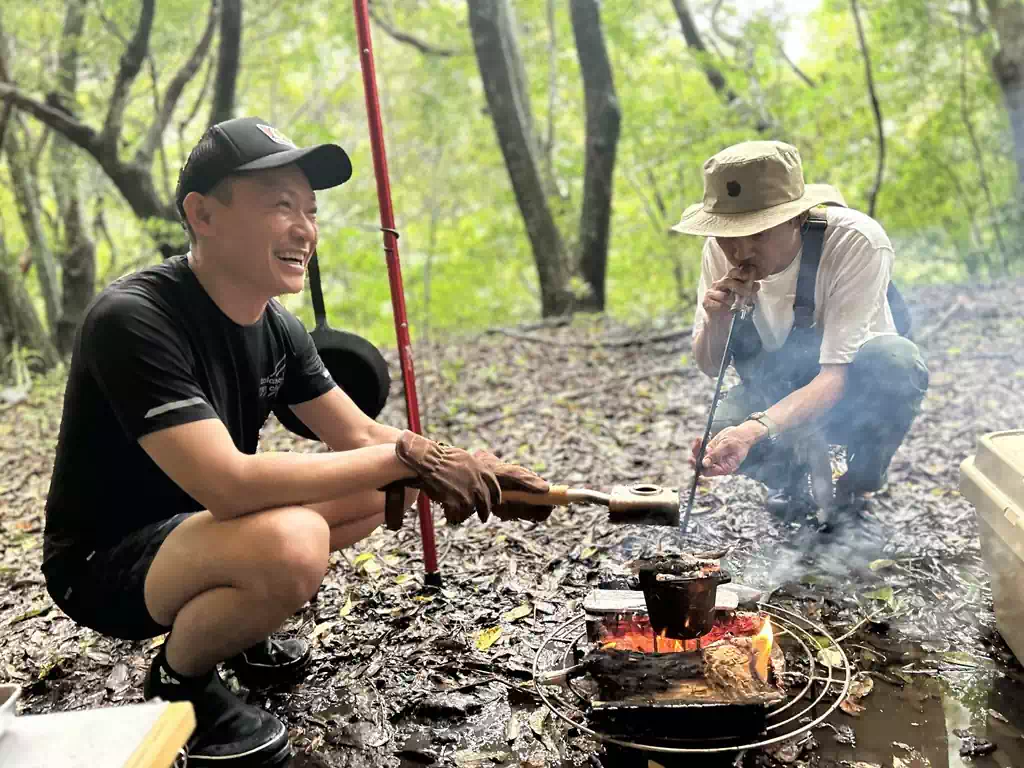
(993, 481)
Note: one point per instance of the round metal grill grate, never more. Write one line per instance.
(824, 688)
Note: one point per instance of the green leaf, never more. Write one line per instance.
(831, 657)
(487, 638)
(877, 565)
(882, 593)
(519, 612)
(346, 609)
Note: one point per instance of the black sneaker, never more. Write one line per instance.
(272, 662)
(229, 732)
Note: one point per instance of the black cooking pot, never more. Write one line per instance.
(355, 364)
(681, 603)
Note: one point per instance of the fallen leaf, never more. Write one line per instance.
(877, 565)
(346, 609)
(469, 758)
(403, 578)
(862, 686)
(998, 716)
(520, 612)
(882, 593)
(831, 657)
(588, 552)
(537, 720)
(487, 638)
(851, 707)
(362, 559)
(320, 629)
(512, 729)
(959, 658)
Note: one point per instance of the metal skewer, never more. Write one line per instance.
(741, 308)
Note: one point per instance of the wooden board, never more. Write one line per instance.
(145, 735)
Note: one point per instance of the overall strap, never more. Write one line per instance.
(813, 238)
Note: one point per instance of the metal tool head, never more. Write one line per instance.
(644, 505)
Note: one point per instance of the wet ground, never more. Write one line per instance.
(413, 676)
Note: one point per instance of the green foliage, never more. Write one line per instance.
(465, 257)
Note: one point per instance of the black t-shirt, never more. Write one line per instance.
(154, 351)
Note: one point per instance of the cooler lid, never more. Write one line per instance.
(1001, 458)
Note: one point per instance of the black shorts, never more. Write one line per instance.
(105, 589)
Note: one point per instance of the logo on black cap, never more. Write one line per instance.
(275, 135)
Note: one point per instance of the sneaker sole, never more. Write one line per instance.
(275, 759)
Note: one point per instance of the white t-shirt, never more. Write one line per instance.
(850, 305)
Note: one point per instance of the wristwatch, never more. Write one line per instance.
(763, 418)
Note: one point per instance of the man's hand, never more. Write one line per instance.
(512, 477)
(741, 281)
(452, 477)
(727, 449)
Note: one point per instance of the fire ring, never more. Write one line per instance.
(797, 714)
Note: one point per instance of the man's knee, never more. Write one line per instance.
(892, 367)
(293, 546)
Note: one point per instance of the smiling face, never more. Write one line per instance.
(262, 232)
(768, 252)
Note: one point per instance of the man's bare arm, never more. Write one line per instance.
(806, 404)
(202, 459)
(338, 422)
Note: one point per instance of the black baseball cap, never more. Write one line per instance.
(252, 144)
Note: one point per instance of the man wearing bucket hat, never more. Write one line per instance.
(162, 516)
(824, 357)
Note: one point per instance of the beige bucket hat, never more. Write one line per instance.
(751, 187)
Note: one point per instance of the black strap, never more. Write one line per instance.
(319, 313)
(813, 239)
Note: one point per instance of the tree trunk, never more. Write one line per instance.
(1008, 69)
(28, 212)
(78, 251)
(19, 323)
(501, 69)
(229, 53)
(875, 107)
(603, 119)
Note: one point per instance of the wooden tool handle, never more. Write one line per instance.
(557, 496)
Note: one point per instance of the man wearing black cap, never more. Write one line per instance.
(161, 516)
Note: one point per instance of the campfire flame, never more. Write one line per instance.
(633, 632)
(762, 647)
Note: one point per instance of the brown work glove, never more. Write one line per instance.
(450, 476)
(512, 477)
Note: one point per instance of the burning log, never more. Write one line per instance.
(737, 662)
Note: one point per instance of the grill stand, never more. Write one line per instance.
(796, 715)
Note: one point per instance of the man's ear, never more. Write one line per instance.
(198, 212)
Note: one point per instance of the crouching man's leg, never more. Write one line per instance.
(224, 586)
(886, 383)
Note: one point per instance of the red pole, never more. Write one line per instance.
(387, 222)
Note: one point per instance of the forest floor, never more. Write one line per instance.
(405, 674)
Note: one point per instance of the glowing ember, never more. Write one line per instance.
(632, 632)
